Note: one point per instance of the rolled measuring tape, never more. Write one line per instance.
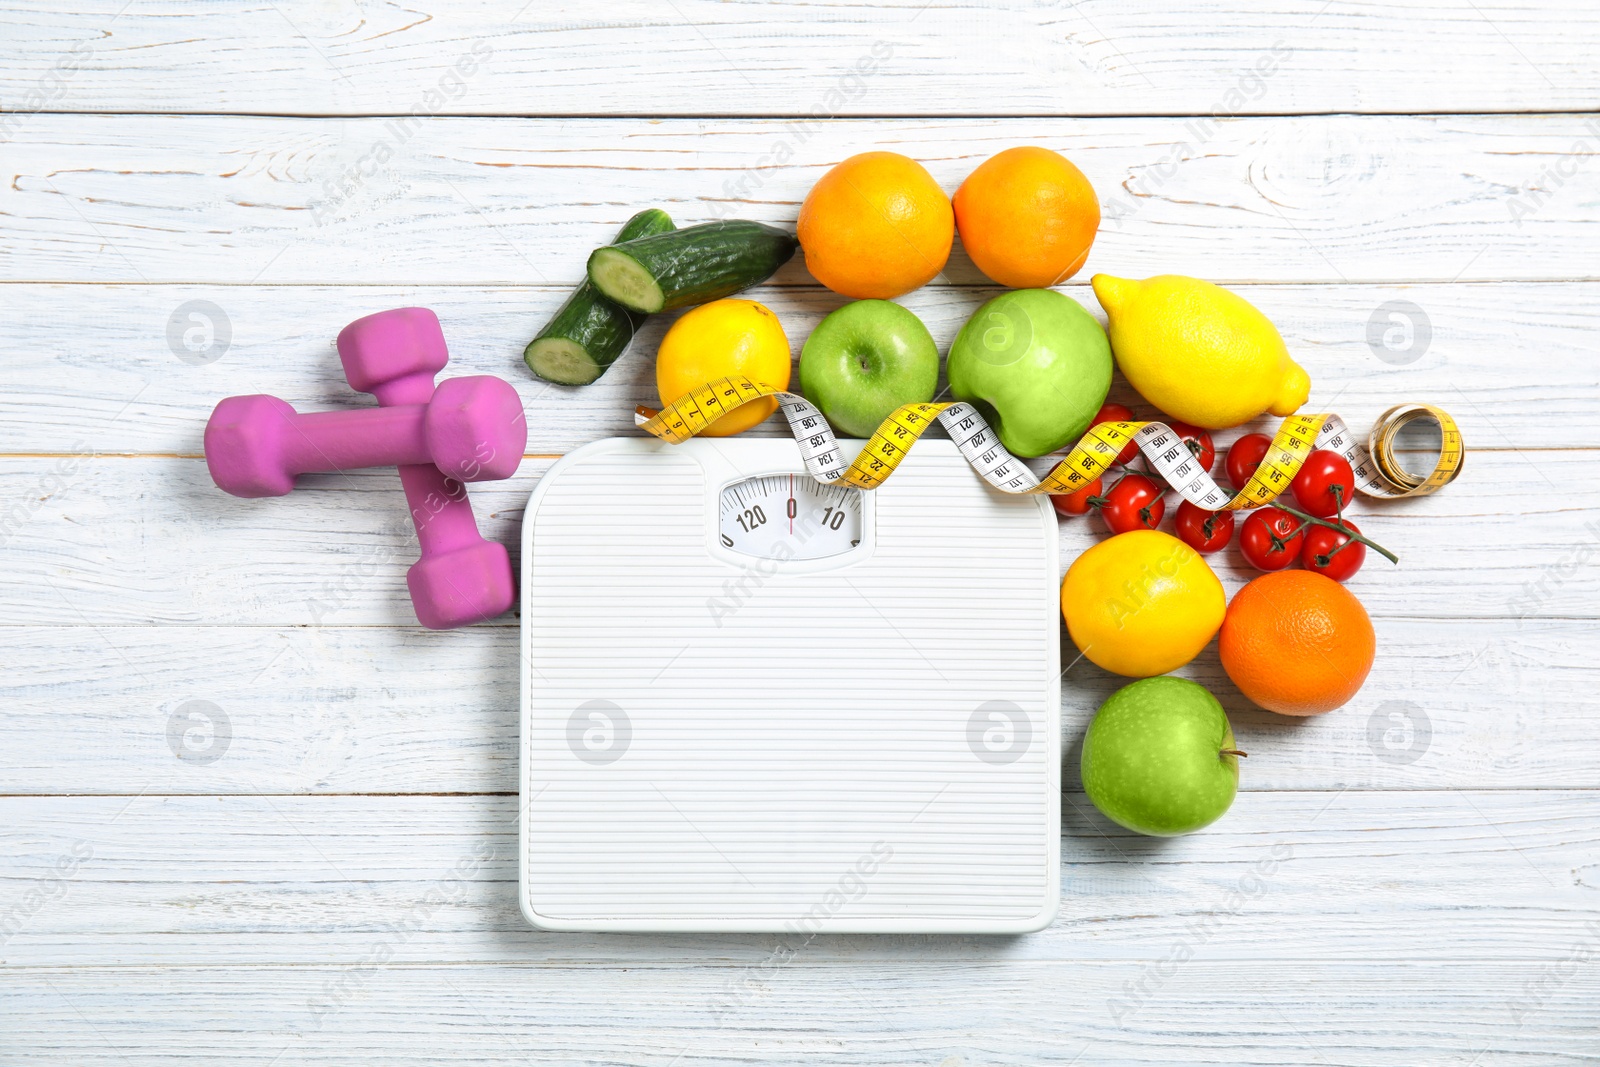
(1378, 472)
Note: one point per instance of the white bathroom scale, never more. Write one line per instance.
(751, 701)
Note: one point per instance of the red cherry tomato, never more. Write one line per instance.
(1198, 440)
(1134, 503)
(1076, 503)
(1333, 553)
(1245, 456)
(1117, 413)
(1325, 485)
(1202, 530)
(1270, 539)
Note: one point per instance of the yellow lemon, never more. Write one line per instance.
(718, 339)
(1141, 603)
(1199, 352)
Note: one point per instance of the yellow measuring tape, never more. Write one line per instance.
(1378, 472)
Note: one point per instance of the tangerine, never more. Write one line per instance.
(876, 226)
(1027, 217)
(1297, 642)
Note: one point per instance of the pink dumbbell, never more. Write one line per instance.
(461, 578)
(472, 429)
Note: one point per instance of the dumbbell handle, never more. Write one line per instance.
(439, 504)
(349, 440)
(439, 508)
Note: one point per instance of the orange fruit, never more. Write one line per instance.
(1027, 217)
(1297, 642)
(876, 226)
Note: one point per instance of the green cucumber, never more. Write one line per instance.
(690, 266)
(590, 333)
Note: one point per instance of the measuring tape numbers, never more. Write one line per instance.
(1378, 472)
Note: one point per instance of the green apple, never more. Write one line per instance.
(1159, 757)
(866, 359)
(1036, 364)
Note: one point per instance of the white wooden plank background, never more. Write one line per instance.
(969, 57)
(242, 200)
(338, 886)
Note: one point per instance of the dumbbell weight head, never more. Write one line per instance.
(461, 586)
(244, 445)
(394, 354)
(475, 428)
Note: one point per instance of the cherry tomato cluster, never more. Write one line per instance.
(1270, 538)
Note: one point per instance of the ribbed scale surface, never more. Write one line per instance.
(799, 741)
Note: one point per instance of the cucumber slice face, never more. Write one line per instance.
(625, 280)
(590, 333)
(562, 360)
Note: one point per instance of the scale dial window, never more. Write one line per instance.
(790, 516)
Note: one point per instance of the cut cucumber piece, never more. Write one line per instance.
(622, 278)
(589, 332)
(690, 266)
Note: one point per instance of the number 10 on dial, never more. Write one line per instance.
(790, 516)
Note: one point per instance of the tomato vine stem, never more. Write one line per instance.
(1347, 531)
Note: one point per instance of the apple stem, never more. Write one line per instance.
(1233, 752)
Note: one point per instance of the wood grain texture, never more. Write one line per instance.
(242, 201)
(1514, 362)
(149, 540)
(275, 879)
(907, 57)
(1488, 704)
(338, 885)
(871, 1013)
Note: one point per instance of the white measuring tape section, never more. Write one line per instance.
(1378, 471)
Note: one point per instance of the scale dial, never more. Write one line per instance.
(790, 516)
